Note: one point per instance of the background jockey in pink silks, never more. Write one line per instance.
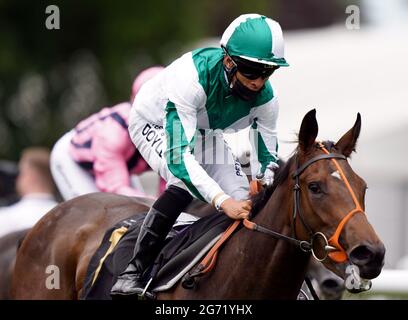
(98, 154)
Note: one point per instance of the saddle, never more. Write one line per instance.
(188, 241)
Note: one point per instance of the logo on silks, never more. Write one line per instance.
(154, 137)
(238, 170)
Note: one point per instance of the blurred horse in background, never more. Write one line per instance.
(8, 251)
(327, 285)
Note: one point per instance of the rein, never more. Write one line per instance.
(302, 244)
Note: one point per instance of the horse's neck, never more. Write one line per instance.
(284, 263)
(261, 265)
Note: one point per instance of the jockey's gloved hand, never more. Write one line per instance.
(266, 174)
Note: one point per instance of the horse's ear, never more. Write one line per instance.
(308, 131)
(347, 143)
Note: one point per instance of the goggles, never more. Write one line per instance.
(252, 70)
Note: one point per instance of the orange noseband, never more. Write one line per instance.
(341, 255)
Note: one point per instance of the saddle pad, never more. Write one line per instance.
(188, 241)
(102, 268)
(186, 249)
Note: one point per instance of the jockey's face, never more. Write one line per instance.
(252, 84)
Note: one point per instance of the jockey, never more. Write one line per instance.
(176, 123)
(98, 155)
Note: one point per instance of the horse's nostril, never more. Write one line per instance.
(369, 259)
(361, 255)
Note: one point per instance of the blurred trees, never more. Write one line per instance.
(51, 79)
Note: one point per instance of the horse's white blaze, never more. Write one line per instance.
(336, 174)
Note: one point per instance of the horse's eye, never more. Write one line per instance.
(314, 187)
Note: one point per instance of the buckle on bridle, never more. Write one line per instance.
(305, 246)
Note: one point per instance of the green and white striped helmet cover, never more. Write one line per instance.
(256, 38)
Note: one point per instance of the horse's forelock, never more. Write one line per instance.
(329, 145)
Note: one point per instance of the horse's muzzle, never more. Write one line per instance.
(369, 259)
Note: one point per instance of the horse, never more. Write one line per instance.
(326, 284)
(315, 195)
(8, 251)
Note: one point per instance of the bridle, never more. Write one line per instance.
(332, 247)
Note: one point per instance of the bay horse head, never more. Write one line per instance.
(329, 208)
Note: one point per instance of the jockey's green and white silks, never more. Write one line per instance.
(193, 94)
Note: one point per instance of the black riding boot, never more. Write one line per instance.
(150, 241)
(154, 230)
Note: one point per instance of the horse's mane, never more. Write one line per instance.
(281, 175)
